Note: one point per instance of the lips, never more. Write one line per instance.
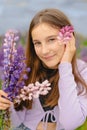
(48, 57)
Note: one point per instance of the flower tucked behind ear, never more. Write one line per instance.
(65, 34)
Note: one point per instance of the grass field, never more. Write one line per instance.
(83, 127)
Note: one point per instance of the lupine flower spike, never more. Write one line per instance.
(13, 65)
(33, 91)
(65, 34)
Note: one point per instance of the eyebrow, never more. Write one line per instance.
(35, 41)
(52, 36)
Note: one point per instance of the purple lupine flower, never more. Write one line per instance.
(13, 65)
(1, 56)
(1, 64)
(20, 51)
(33, 91)
(65, 34)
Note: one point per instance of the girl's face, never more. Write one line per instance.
(46, 45)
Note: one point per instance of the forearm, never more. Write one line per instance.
(71, 114)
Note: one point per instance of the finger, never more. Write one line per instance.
(1, 108)
(71, 44)
(4, 100)
(72, 40)
(4, 105)
(2, 93)
(68, 46)
(4, 108)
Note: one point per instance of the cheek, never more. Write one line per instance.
(37, 51)
(60, 48)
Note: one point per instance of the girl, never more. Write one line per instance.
(65, 106)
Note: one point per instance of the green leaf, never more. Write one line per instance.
(83, 127)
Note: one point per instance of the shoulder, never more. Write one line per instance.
(82, 68)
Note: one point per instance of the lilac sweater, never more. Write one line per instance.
(71, 111)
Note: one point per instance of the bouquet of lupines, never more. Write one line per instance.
(13, 68)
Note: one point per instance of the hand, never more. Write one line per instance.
(4, 103)
(70, 50)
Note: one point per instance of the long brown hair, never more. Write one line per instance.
(57, 19)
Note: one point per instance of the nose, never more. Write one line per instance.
(45, 49)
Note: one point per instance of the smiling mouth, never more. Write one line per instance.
(49, 57)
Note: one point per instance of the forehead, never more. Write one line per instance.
(44, 29)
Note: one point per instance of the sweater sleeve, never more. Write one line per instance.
(72, 108)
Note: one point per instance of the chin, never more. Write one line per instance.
(52, 67)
